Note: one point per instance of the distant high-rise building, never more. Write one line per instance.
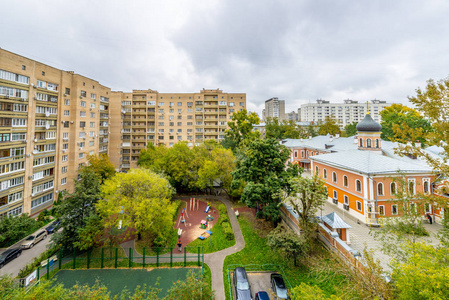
(292, 116)
(345, 113)
(274, 108)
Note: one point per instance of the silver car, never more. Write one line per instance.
(34, 239)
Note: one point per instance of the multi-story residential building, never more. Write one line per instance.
(361, 173)
(293, 116)
(274, 108)
(168, 118)
(345, 113)
(51, 121)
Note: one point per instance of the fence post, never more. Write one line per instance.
(88, 259)
(74, 258)
(143, 258)
(130, 256)
(157, 257)
(48, 267)
(199, 256)
(116, 253)
(185, 256)
(60, 258)
(38, 272)
(102, 258)
(171, 257)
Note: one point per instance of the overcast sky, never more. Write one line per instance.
(298, 51)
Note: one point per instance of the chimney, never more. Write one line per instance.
(331, 138)
(417, 144)
(310, 137)
(356, 140)
(337, 135)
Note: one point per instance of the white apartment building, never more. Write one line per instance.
(346, 113)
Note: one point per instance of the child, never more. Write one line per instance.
(179, 245)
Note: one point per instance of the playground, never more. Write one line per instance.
(117, 279)
(196, 220)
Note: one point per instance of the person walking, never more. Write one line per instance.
(430, 218)
(179, 245)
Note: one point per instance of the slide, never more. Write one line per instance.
(207, 209)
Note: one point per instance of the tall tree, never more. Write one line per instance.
(287, 242)
(351, 129)
(217, 170)
(101, 165)
(307, 196)
(285, 129)
(401, 123)
(241, 129)
(195, 287)
(330, 126)
(77, 207)
(139, 199)
(262, 170)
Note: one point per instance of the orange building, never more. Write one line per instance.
(362, 173)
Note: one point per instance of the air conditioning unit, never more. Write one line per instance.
(35, 140)
(56, 191)
(28, 155)
(21, 99)
(24, 141)
(30, 177)
(90, 109)
(65, 95)
(77, 143)
(35, 98)
(84, 138)
(35, 86)
(47, 114)
(335, 201)
(81, 148)
(62, 122)
(71, 122)
(346, 206)
(64, 150)
(81, 97)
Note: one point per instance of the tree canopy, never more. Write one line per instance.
(401, 123)
(101, 165)
(241, 129)
(351, 129)
(279, 130)
(140, 199)
(330, 126)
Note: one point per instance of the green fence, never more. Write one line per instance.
(100, 258)
(255, 268)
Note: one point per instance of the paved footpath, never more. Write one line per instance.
(214, 260)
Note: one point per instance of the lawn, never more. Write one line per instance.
(256, 251)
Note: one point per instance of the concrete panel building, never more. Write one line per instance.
(274, 108)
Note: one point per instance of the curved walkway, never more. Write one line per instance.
(215, 260)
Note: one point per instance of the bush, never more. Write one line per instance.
(227, 230)
(29, 268)
(222, 209)
(13, 229)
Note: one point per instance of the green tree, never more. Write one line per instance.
(330, 126)
(241, 129)
(91, 234)
(193, 288)
(77, 207)
(290, 244)
(152, 157)
(217, 170)
(13, 229)
(101, 165)
(261, 169)
(310, 292)
(401, 123)
(307, 196)
(311, 130)
(139, 199)
(351, 129)
(285, 129)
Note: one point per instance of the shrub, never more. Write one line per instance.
(29, 268)
(222, 209)
(13, 229)
(227, 230)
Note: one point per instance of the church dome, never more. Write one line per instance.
(368, 124)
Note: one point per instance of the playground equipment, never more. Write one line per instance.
(182, 219)
(205, 235)
(194, 202)
(203, 224)
(207, 209)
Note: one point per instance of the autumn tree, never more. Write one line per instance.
(307, 196)
(261, 170)
(241, 129)
(139, 199)
(290, 244)
(217, 170)
(351, 129)
(330, 126)
(401, 123)
(101, 165)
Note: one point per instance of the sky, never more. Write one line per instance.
(298, 51)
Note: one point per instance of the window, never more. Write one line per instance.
(324, 173)
(380, 189)
(345, 181)
(82, 113)
(394, 209)
(81, 155)
(317, 170)
(63, 180)
(334, 177)
(83, 93)
(381, 210)
(67, 91)
(93, 96)
(335, 195)
(92, 124)
(179, 103)
(393, 188)
(82, 124)
(359, 206)
(83, 103)
(361, 142)
(65, 146)
(65, 135)
(65, 158)
(64, 170)
(91, 143)
(231, 103)
(66, 113)
(296, 154)
(346, 199)
(160, 103)
(66, 101)
(92, 105)
(411, 186)
(358, 186)
(368, 143)
(426, 186)
(377, 143)
(92, 115)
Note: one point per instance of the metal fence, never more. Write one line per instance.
(100, 258)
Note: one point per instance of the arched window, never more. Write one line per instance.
(345, 181)
(377, 143)
(334, 177)
(426, 187)
(361, 142)
(393, 188)
(368, 143)
(324, 173)
(411, 187)
(296, 154)
(358, 185)
(380, 189)
(317, 170)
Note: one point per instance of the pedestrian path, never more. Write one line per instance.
(213, 260)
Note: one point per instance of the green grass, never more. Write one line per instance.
(256, 251)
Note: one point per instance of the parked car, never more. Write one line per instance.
(278, 286)
(241, 284)
(53, 226)
(262, 296)
(34, 239)
(9, 255)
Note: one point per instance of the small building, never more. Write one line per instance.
(333, 222)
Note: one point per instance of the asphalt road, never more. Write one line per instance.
(13, 267)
